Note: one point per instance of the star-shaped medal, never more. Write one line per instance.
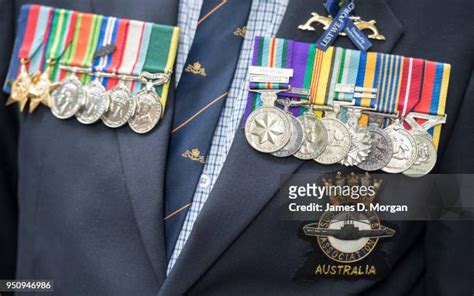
(20, 87)
(268, 128)
(39, 90)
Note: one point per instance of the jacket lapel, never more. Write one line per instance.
(250, 179)
(144, 164)
(246, 183)
(144, 156)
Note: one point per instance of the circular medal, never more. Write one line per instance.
(148, 112)
(267, 129)
(296, 138)
(339, 141)
(381, 150)
(68, 98)
(360, 147)
(404, 149)
(97, 103)
(315, 137)
(121, 108)
(426, 158)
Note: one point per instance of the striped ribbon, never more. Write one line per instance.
(116, 59)
(42, 27)
(388, 83)
(84, 43)
(36, 26)
(108, 35)
(161, 55)
(132, 49)
(345, 71)
(410, 86)
(59, 37)
(303, 55)
(434, 94)
(273, 53)
(32, 26)
(30, 42)
(14, 68)
(367, 77)
(140, 63)
(401, 84)
(320, 81)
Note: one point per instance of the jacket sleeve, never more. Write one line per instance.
(8, 150)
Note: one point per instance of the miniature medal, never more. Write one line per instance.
(339, 139)
(96, 104)
(267, 128)
(122, 106)
(68, 98)
(148, 111)
(316, 136)
(361, 144)
(296, 139)
(404, 149)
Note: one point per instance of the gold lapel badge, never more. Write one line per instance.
(196, 68)
(241, 32)
(358, 22)
(194, 155)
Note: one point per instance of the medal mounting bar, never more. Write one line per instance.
(157, 78)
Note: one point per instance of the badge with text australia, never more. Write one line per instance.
(347, 241)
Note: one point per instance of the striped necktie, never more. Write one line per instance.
(200, 96)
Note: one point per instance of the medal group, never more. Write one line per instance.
(92, 67)
(366, 109)
(370, 110)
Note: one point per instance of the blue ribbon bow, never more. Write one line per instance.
(342, 22)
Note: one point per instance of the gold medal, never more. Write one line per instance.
(40, 88)
(20, 87)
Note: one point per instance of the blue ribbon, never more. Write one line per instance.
(341, 22)
(15, 61)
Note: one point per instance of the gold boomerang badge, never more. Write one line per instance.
(358, 22)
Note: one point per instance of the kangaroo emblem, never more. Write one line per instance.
(358, 22)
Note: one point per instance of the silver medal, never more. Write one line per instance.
(426, 157)
(68, 98)
(122, 106)
(315, 137)
(339, 140)
(267, 128)
(361, 144)
(381, 150)
(427, 154)
(96, 103)
(148, 111)
(404, 149)
(296, 139)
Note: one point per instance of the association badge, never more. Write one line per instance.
(346, 244)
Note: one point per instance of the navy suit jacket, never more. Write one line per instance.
(89, 200)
